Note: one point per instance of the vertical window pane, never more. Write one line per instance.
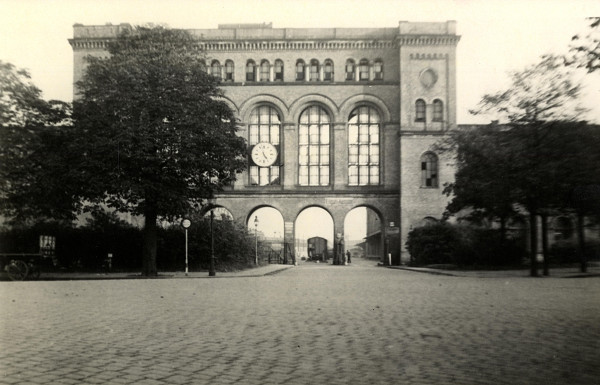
(275, 134)
(264, 127)
(363, 147)
(274, 175)
(325, 134)
(353, 175)
(303, 175)
(253, 175)
(313, 154)
(264, 176)
(253, 134)
(324, 171)
(352, 134)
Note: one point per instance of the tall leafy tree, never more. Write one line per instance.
(518, 164)
(153, 134)
(586, 49)
(31, 129)
(482, 181)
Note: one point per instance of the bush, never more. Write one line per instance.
(568, 252)
(433, 244)
(463, 246)
(82, 248)
(485, 247)
(87, 247)
(233, 246)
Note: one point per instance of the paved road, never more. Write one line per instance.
(312, 324)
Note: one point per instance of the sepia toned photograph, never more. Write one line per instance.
(299, 192)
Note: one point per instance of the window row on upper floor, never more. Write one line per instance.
(312, 70)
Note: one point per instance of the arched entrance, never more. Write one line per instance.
(266, 224)
(314, 224)
(364, 235)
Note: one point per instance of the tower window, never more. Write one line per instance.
(438, 111)
(429, 170)
(420, 110)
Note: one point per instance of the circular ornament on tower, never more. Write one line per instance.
(428, 78)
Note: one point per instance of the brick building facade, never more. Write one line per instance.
(336, 118)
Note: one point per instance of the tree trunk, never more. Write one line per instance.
(502, 230)
(149, 252)
(545, 243)
(533, 243)
(581, 242)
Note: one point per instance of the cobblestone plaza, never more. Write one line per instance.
(311, 324)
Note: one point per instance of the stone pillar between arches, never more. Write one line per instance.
(289, 243)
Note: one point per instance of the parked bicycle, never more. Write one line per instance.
(22, 266)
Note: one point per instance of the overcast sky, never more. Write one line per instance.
(497, 36)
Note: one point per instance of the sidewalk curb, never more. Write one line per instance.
(422, 270)
(474, 273)
(165, 275)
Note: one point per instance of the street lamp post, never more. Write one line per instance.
(211, 271)
(256, 240)
(186, 223)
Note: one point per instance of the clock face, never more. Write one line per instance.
(264, 154)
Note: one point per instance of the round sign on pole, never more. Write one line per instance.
(186, 223)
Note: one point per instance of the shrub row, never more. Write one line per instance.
(87, 247)
(443, 243)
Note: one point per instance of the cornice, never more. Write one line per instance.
(420, 40)
(294, 45)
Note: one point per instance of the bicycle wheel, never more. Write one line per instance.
(17, 270)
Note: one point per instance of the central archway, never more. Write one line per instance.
(313, 222)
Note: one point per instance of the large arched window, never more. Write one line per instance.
(429, 170)
(250, 71)
(350, 70)
(420, 110)
(438, 111)
(265, 71)
(229, 71)
(278, 70)
(328, 70)
(314, 70)
(363, 147)
(300, 74)
(215, 69)
(264, 127)
(313, 147)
